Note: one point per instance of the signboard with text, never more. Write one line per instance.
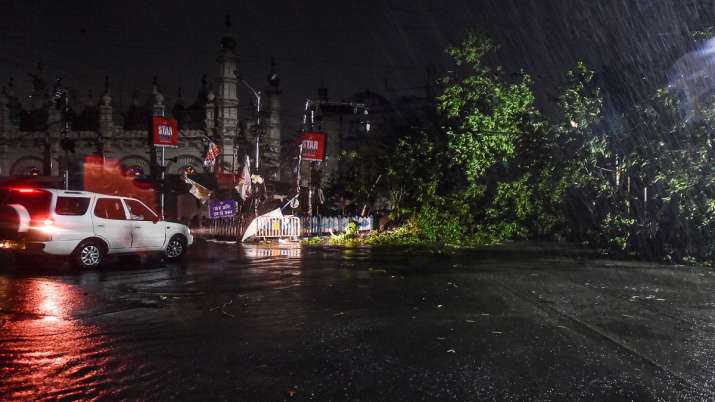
(166, 132)
(222, 209)
(313, 146)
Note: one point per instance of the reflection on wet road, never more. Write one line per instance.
(284, 323)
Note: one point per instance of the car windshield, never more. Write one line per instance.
(36, 201)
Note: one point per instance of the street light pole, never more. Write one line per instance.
(66, 132)
(62, 95)
(257, 94)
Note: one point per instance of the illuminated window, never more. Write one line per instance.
(189, 170)
(134, 170)
(32, 171)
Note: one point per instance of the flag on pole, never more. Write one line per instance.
(197, 190)
(211, 154)
(244, 184)
(321, 196)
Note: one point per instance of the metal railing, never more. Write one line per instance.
(320, 225)
(222, 229)
(285, 227)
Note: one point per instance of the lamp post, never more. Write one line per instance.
(62, 102)
(257, 131)
(257, 94)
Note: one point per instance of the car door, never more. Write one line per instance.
(148, 233)
(109, 219)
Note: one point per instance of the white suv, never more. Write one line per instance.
(84, 226)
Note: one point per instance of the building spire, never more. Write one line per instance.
(90, 98)
(273, 79)
(11, 87)
(228, 43)
(155, 87)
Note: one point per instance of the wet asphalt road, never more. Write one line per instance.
(248, 324)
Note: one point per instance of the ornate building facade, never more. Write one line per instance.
(32, 128)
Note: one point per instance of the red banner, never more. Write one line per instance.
(166, 132)
(313, 146)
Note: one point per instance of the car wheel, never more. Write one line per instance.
(89, 255)
(175, 249)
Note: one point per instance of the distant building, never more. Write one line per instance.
(31, 131)
(354, 122)
(362, 123)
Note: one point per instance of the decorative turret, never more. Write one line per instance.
(210, 109)
(3, 98)
(157, 99)
(227, 98)
(90, 102)
(39, 95)
(105, 111)
(4, 129)
(135, 98)
(273, 80)
(10, 88)
(272, 154)
(13, 103)
(179, 110)
(88, 119)
(4, 112)
(136, 117)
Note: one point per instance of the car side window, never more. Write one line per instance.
(139, 212)
(71, 206)
(109, 208)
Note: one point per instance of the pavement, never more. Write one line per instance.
(290, 324)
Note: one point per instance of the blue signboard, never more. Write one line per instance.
(222, 209)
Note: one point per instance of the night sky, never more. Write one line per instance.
(344, 46)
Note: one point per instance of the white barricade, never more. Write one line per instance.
(287, 226)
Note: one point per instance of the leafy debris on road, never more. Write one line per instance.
(223, 308)
(635, 298)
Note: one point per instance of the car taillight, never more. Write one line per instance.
(45, 226)
(25, 190)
